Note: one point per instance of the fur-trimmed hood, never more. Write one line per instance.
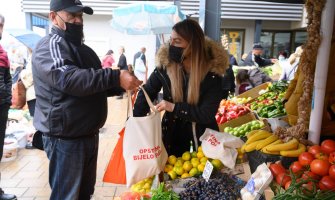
(218, 63)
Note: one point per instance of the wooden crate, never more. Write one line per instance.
(254, 92)
(238, 121)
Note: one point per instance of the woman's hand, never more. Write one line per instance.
(165, 105)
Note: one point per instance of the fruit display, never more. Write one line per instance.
(189, 164)
(143, 186)
(229, 110)
(219, 186)
(270, 144)
(242, 130)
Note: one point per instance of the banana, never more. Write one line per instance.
(261, 134)
(252, 146)
(243, 148)
(270, 152)
(290, 145)
(266, 142)
(273, 143)
(251, 133)
(294, 153)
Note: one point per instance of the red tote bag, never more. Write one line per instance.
(116, 169)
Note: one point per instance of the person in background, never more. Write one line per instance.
(228, 81)
(71, 100)
(243, 81)
(140, 65)
(291, 66)
(189, 70)
(108, 60)
(5, 101)
(122, 65)
(26, 77)
(243, 57)
(254, 57)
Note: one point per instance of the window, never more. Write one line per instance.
(275, 41)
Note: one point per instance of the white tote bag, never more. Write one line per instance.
(143, 149)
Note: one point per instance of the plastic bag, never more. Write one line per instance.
(222, 146)
(116, 169)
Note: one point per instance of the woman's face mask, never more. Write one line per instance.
(176, 54)
(281, 58)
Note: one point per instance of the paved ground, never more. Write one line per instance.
(27, 176)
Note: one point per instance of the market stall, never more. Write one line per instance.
(259, 153)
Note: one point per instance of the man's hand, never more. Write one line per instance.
(128, 81)
(165, 105)
(274, 60)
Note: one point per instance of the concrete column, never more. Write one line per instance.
(321, 71)
(258, 31)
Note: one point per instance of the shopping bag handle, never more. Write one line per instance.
(130, 105)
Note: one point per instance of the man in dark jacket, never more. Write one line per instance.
(254, 57)
(5, 100)
(71, 100)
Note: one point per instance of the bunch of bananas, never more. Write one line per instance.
(270, 144)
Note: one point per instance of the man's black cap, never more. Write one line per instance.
(71, 6)
(257, 46)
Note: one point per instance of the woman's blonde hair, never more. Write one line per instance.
(190, 31)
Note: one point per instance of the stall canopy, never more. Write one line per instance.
(145, 18)
(26, 37)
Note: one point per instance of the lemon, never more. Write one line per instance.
(172, 159)
(186, 156)
(194, 154)
(168, 168)
(147, 186)
(193, 172)
(203, 160)
(200, 154)
(217, 164)
(201, 167)
(200, 148)
(179, 170)
(179, 163)
(172, 174)
(185, 175)
(187, 166)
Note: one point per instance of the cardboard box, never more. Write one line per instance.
(238, 121)
(254, 92)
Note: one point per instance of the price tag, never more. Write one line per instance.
(206, 174)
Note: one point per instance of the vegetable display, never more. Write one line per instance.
(229, 110)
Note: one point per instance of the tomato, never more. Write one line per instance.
(327, 183)
(282, 179)
(305, 158)
(320, 167)
(310, 175)
(328, 146)
(296, 167)
(315, 149)
(277, 169)
(287, 185)
(331, 171)
(331, 158)
(321, 156)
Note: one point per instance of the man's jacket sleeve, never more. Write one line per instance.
(56, 66)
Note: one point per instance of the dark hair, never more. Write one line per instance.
(242, 76)
(109, 52)
(283, 53)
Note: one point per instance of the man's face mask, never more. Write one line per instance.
(176, 54)
(74, 32)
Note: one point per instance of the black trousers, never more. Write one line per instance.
(3, 125)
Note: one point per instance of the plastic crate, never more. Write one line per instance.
(257, 158)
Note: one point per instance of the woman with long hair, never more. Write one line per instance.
(189, 69)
